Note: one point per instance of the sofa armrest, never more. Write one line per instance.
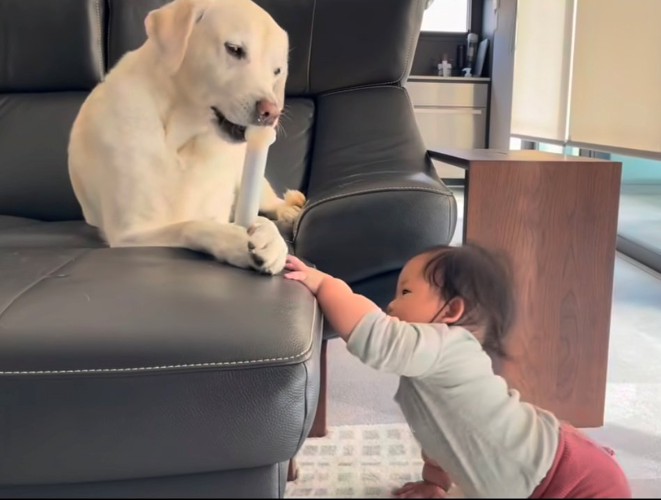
(372, 226)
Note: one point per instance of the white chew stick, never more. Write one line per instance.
(258, 139)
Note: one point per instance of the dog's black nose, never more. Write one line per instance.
(267, 113)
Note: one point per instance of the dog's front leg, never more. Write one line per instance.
(261, 247)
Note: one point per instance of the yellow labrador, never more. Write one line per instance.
(156, 152)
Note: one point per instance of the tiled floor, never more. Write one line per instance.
(360, 395)
(633, 393)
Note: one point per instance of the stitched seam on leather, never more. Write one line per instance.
(364, 87)
(38, 281)
(108, 30)
(355, 193)
(99, 38)
(375, 190)
(410, 53)
(303, 436)
(152, 368)
(309, 77)
(169, 367)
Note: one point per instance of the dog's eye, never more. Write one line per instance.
(277, 72)
(235, 51)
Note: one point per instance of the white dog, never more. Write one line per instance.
(156, 152)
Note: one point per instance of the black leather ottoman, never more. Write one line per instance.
(150, 372)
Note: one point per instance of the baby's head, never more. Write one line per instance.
(464, 285)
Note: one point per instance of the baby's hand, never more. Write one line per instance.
(310, 277)
(420, 489)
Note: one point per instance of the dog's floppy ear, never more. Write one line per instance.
(170, 27)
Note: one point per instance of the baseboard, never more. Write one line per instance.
(454, 182)
(639, 252)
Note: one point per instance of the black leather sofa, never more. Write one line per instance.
(155, 372)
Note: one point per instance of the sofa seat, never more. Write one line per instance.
(135, 363)
(20, 232)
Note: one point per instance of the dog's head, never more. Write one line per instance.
(227, 56)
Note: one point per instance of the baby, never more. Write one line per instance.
(451, 313)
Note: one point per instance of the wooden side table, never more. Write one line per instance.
(556, 217)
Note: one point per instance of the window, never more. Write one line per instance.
(446, 16)
(565, 88)
(515, 144)
(558, 149)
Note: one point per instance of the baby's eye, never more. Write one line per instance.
(406, 291)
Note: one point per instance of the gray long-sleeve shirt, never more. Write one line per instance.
(463, 415)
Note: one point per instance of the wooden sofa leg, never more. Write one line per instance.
(292, 472)
(319, 426)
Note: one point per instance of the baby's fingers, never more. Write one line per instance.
(296, 276)
(404, 489)
(294, 263)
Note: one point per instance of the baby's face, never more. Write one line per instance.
(415, 300)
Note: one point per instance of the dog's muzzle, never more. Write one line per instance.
(231, 130)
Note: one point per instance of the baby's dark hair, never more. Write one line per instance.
(483, 280)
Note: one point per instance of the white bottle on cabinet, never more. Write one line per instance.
(471, 52)
(444, 67)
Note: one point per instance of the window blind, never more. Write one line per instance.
(616, 82)
(588, 73)
(541, 69)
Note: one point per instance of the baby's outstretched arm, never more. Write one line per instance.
(382, 342)
(342, 307)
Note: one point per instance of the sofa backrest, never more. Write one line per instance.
(54, 52)
(51, 56)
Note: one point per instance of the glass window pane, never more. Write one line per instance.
(640, 209)
(446, 16)
(515, 143)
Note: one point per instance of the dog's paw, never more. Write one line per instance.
(295, 198)
(227, 243)
(290, 210)
(267, 247)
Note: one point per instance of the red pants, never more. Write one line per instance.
(582, 469)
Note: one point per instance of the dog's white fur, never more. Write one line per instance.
(148, 161)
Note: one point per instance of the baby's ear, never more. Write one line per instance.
(453, 311)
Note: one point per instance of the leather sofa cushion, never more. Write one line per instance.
(34, 135)
(374, 200)
(144, 362)
(383, 32)
(126, 26)
(289, 157)
(19, 232)
(260, 482)
(50, 45)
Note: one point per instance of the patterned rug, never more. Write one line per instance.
(357, 461)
